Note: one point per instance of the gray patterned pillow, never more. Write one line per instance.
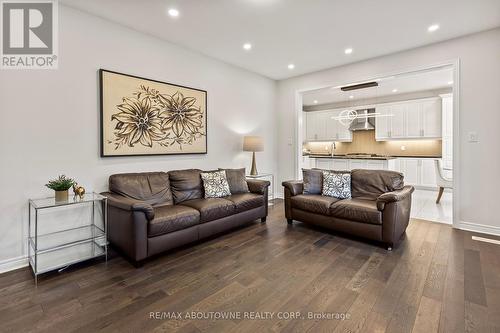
(337, 185)
(215, 184)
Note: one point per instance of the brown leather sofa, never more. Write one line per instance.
(379, 207)
(152, 212)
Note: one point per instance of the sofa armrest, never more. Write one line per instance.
(129, 204)
(295, 187)
(394, 196)
(258, 186)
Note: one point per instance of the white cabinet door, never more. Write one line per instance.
(337, 131)
(311, 132)
(382, 122)
(316, 126)
(413, 120)
(376, 165)
(323, 164)
(321, 122)
(339, 164)
(332, 125)
(357, 164)
(428, 173)
(411, 171)
(431, 118)
(398, 121)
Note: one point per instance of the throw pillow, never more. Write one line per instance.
(337, 185)
(237, 180)
(215, 184)
(313, 181)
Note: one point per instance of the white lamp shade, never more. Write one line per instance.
(253, 143)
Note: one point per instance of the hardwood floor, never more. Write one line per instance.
(438, 280)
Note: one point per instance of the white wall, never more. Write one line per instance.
(479, 163)
(50, 118)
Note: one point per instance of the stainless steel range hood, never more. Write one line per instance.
(365, 120)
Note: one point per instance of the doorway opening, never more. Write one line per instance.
(406, 122)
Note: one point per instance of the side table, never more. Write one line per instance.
(266, 176)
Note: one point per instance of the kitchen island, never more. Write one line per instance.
(418, 170)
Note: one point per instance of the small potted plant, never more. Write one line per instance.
(61, 185)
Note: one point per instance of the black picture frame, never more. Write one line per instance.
(101, 120)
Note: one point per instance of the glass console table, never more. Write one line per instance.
(56, 241)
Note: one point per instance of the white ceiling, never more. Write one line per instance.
(405, 83)
(312, 34)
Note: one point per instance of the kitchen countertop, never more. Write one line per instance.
(368, 157)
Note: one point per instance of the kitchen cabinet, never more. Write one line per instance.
(340, 165)
(349, 164)
(321, 126)
(415, 119)
(419, 172)
(316, 126)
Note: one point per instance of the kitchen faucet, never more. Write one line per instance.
(332, 149)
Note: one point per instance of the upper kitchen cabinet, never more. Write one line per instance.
(315, 126)
(335, 129)
(322, 126)
(415, 119)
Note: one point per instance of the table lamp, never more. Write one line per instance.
(253, 144)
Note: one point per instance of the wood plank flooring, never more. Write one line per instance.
(438, 280)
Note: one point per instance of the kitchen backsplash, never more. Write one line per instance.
(364, 142)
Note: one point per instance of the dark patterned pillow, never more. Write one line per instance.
(337, 185)
(215, 184)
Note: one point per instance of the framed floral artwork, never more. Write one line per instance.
(140, 116)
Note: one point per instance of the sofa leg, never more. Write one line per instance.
(289, 221)
(138, 264)
(263, 219)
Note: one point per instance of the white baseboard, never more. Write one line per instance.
(13, 263)
(480, 228)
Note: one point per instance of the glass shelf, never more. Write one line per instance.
(65, 256)
(64, 238)
(72, 200)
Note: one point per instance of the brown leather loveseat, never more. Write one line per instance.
(379, 207)
(152, 212)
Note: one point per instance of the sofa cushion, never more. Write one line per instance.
(314, 203)
(237, 180)
(357, 210)
(336, 184)
(151, 187)
(215, 184)
(172, 218)
(370, 184)
(211, 208)
(246, 201)
(313, 181)
(186, 185)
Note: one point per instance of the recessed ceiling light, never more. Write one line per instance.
(450, 82)
(351, 97)
(291, 66)
(348, 51)
(315, 102)
(433, 27)
(394, 90)
(173, 12)
(247, 46)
